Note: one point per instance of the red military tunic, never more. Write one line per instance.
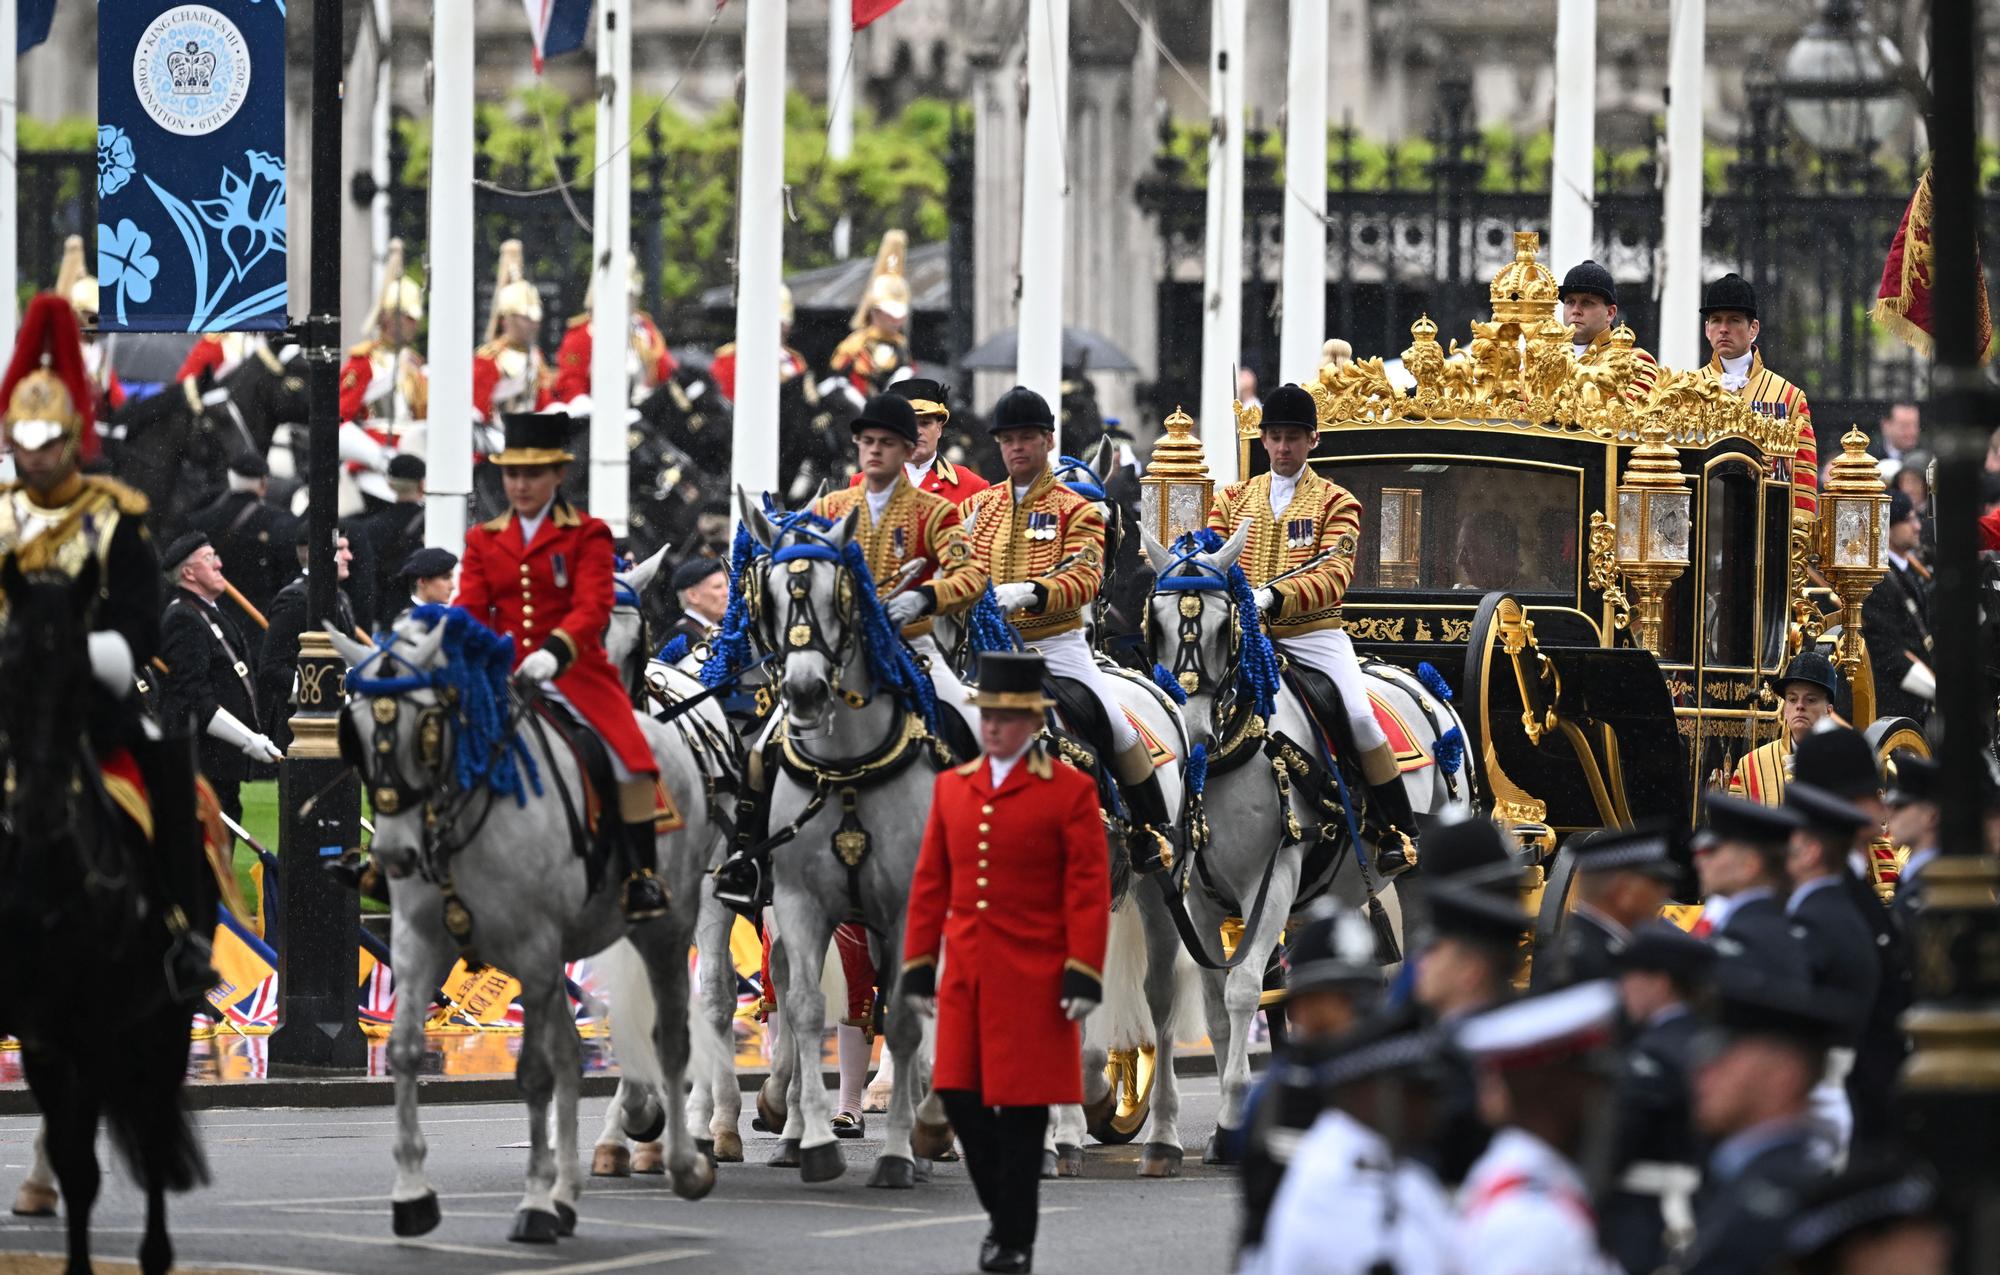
(1015, 887)
(722, 370)
(497, 368)
(573, 356)
(955, 483)
(1774, 396)
(556, 593)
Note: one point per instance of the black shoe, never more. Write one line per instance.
(645, 897)
(849, 1124)
(987, 1248)
(1011, 1261)
(739, 882)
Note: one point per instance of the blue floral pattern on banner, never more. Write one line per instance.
(191, 166)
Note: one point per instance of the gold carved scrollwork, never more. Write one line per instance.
(1807, 622)
(1375, 628)
(1457, 630)
(312, 679)
(1604, 568)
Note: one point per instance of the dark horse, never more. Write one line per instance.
(78, 911)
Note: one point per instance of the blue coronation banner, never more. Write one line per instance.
(191, 166)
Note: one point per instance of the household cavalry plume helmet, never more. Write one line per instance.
(46, 390)
(512, 293)
(74, 283)
(400, 293)
(888, 291)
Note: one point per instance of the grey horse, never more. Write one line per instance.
(1252, 815)
(511, 867)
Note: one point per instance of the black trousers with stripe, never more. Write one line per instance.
(1003, 1153)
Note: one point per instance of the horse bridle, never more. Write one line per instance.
(1189, 669)
(803, 631)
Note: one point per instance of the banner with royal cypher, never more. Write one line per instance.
(191, 166)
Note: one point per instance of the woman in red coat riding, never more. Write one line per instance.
(541, 573)
(1013, 893)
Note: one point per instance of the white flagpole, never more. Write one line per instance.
(760, 252)
(1573, 165)
(10, 241)
(1680, 290)
(611, 303)
(1044, 205)
(1304, 319)
(448, 439)
(1222, 317)
(840, 102)
(378, 147)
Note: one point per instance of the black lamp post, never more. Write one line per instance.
(1840, 83)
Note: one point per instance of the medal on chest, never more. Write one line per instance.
(560, 565)
(899, 542)
(1299, 533)
(1041, 526)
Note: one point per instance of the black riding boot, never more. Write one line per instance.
(743, 880)
(1395, 823)
(645, 894)
(1151, 841)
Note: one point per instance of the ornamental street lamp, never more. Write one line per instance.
(1653, 504)
(1840, 82)
(1854, 553)
(1175, 493)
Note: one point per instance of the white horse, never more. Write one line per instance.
(503, 874)
(1259, 825)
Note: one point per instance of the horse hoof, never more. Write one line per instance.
(1160, 1160)
(35, 1200)
(923, 1170)
(416, 1217)
(648, 1157)
(1221, 1147)
(1097, 1115)
(1048, 1165)
(565, 1219)
(610, 1160)
(770, 1110)
(729, 1147)
(1069, 1160)
(697, 1181)
(895, 1173)
(930, 1141)
(822, 1163)
(656, 1124)
(786, 1156)
(535, 1226)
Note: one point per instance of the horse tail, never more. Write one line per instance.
(635, 1015)
(1124, 1019)
(155, 1135)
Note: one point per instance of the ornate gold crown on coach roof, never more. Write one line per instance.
(1518, 372)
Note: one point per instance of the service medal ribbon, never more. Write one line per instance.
(899, 541)
(1298, 533)
(561, 565)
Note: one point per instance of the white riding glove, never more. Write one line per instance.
(907, 607)
(225, 726)
(1017, 596)
(111, 661)
(540, 666)
(1266, 599)
(1077, 1008)
(924, 1005)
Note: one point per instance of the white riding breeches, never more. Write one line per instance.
(944, 680)
(1331, 651)
(1068, 655)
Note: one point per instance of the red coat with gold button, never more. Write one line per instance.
(556, 593)
(1012, 887)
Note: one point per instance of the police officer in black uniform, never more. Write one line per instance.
(205, 676)
(1740, 856)
(1623, 875)
(252, 537)
(1660, 971)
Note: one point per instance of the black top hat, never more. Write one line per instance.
(1750, 822)
(406, 468)
(182, 549)
(249, 465)
(1824, 811)
(887, 411)
(930, 398)
(1661, 947)
(693, 571)
(1912, 779)
(1290, 405)
(428, 562)
(1588, 276)
(1020, 408)
(1837, 760)
(536, 438)
(1644, 848)
(1010, 679)
(1731, 292)
(1479, 915)
(1813, 669)
(1465, 846)
(1333, 949)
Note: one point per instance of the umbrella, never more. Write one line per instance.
(1080, 348)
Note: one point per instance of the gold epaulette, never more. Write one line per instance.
(130, 500)
(729, 347)
(970, 768)
(491, 350)
(577, 321)
(363, 350)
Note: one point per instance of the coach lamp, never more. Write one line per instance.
(1653, 509)
(1854, 546)
(1175, 493)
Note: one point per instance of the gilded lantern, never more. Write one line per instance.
(1653, 507)
(1176, 492)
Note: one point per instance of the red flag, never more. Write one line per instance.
(866, 11)
(1903, 302)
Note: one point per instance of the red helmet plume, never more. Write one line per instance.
(51, 342)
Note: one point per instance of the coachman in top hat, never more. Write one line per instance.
(542, 574)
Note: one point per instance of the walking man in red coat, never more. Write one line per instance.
(1012, 897)
(542, 574)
